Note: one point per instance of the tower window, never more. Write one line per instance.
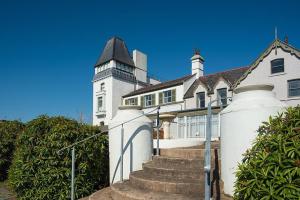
(277, 66)
(294, 88)
(102, 87)
(100, 103)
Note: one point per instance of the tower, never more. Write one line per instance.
(116, 74)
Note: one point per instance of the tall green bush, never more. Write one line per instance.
(39, 172)
(9, 130)
(271, 168)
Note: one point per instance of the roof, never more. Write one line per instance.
(275, 44)
(115, 49)
(159, 86)
(210, 81)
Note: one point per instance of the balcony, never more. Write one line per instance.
(100, 112)
(115, 73)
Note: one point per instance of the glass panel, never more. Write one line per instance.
(201, 99)
(222, 95)
(100, 103)
(181, 126)
(277, 66)
(167, 96)
(294, 88)
(148, 100)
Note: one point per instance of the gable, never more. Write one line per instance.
(210, 81)
(277, 44)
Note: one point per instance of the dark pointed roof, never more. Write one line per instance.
(115, 49)
(210, 81)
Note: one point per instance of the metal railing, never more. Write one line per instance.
(207, 161)
(72, 146)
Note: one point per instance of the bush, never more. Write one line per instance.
(39, 172)
(271, 168)
(9, 130)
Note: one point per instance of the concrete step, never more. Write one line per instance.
(173, 185)
(177, 163)
(180, 173)
(104, 194)
(186, 153)
(126, 191)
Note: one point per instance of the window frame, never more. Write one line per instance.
(169, 98)
(102, 103)
(288, 88)
(102, 87)
(220, 98)
(199, 103)
(148, 100)
(132, 101)
(272, 66)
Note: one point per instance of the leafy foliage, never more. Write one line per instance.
(9, 130)
(271, 168)
(39, 172)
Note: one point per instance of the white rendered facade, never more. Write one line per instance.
(191, 93)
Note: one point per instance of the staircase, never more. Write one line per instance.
(177, 174)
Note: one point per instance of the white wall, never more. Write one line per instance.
(107, 100)
(262, 75)
(114, 90)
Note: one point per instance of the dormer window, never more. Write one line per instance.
(277, 66)
(222, 96)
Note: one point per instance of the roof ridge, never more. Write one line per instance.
(228, 70)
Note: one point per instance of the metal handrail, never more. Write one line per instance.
(81, 141)
(207, 162)
(98, 134)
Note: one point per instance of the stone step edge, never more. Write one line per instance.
(136, 175)
(145, 194)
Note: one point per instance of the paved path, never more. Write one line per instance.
(5, 194)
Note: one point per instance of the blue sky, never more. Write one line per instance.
(48, 48)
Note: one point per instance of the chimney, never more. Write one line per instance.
(197, 64)
(140, 62)
(140, 59)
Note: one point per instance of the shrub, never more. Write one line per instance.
(271, 168)
(9, 130)
(39, 172)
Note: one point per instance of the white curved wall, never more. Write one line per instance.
(239, 123)
(137, 147)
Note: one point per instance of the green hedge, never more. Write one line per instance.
(271, 168)
(39, 172)
(9, 130)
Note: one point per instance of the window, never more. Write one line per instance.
(277, 66)
(201, 100)
(149, 100)
(131, 101)
(100, 103)
(102, 87)
(168, 96)
(222, 96)
(125, 68)
(294, 88)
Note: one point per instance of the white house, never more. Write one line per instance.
(122, 79)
